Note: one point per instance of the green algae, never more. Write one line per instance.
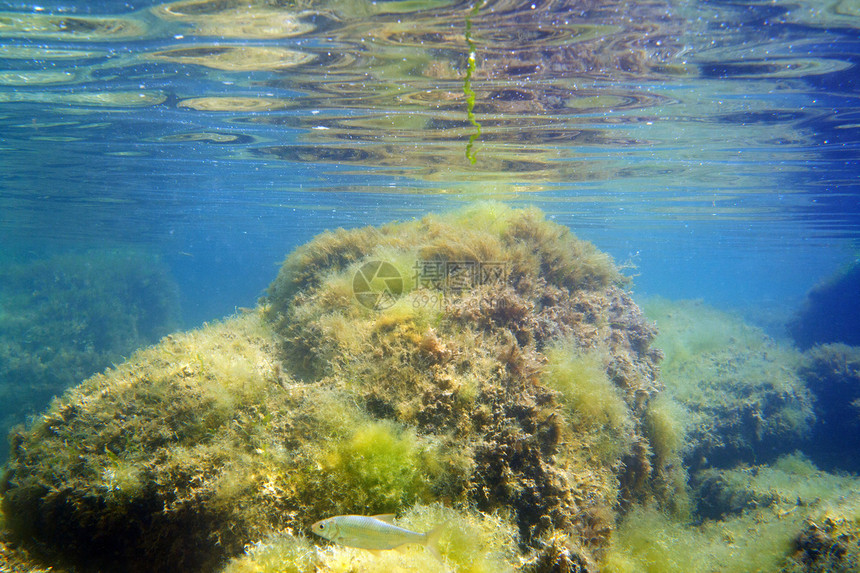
(666, 425)
(524, 414)
(227, 435)
(66, 317)
(595, 406)
(283, 553)
(736, 391)
(469, 542)
(581, 378)
(649, 542)
(379, 468)
(769, 512)
(467, 85)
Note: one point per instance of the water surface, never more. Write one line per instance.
(712, 144)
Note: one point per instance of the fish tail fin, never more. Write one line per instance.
(431, 538)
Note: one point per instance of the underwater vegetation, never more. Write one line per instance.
(318, 405)
(734, 392)
(482, 371)
(140, 459)
(831, 311)
(736, 404)
(832, 373)
(786, 517)
(736, 407)
(471, 542)
(66, 317)
(476, 369)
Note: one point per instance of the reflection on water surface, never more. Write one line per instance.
(685, 100)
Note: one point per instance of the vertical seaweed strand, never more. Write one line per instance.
(467, 85)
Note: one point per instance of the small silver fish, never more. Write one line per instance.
(373, 533)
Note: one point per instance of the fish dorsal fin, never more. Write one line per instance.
(386, 517)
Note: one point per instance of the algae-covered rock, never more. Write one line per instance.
(66, 317)
(829, 541)
(486, 366)
(791, 481)
(125, 470)
(486, 360)
(787, 517)
(832, 373)
(735, 392)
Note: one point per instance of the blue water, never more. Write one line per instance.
(712, 145)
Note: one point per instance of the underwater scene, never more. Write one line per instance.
(430, 286)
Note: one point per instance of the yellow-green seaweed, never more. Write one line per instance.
(461, 393)
(469, 542)
(782, 506)
(467, 84)
(735, 389)
(595, 405)
(66, 317)
(525, 415)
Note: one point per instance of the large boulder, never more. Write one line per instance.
(486, 360)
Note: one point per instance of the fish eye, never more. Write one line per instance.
(321, 526)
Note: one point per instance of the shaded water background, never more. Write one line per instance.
(713, 145)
